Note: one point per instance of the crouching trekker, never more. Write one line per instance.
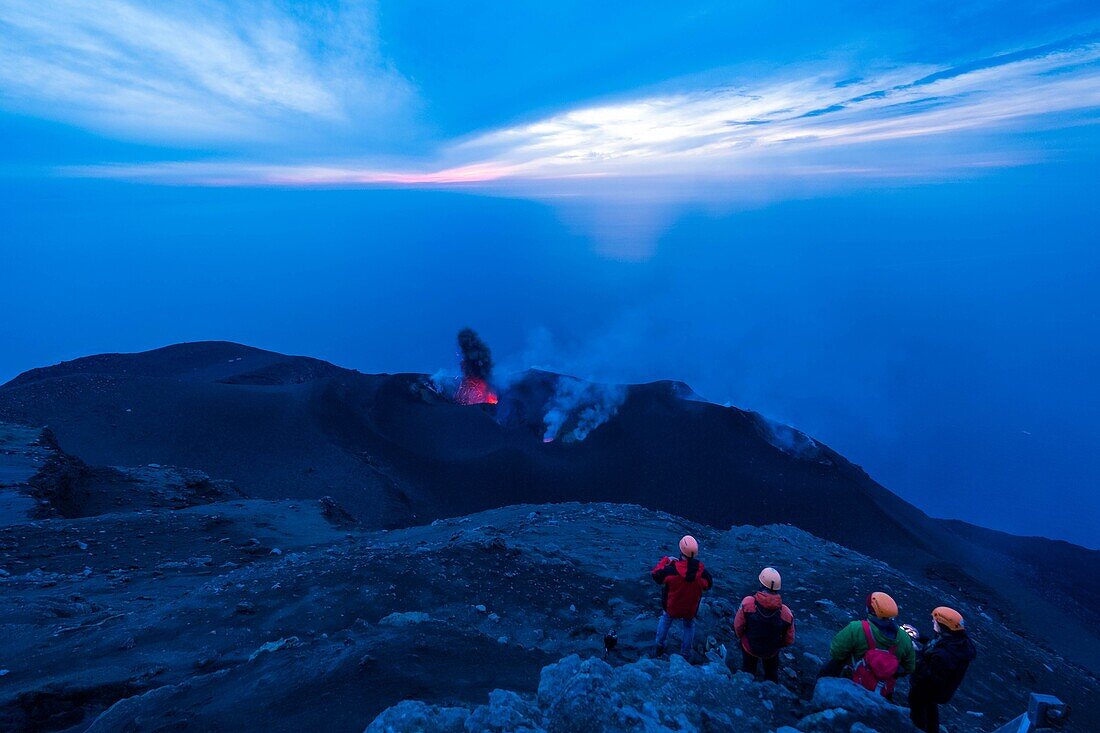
(764, 626)
(683, 583)
(876, 648)
(940, 668)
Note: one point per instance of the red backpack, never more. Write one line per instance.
(878, 667)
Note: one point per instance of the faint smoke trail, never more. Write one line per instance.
(577, 408)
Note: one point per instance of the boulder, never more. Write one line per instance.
(414, 716)
(405, 618)
(838, 706)
(505, 713)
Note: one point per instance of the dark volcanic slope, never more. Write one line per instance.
(247, 414)
(394, 452)
(285, 427)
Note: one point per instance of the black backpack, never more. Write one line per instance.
(764, 630)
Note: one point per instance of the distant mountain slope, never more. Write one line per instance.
(396, 451)
(204, 361)
(1051, 565)
(246, 414)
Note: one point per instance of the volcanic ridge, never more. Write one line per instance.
(226, 538)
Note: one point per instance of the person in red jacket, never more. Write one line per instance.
(764, 625)
(683, 583)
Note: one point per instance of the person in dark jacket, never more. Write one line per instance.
(764, 625)
(683, 583)
(940, 669)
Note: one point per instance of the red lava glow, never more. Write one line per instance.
(474, 391)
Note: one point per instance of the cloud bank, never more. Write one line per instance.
(808, 121)
(274, 93)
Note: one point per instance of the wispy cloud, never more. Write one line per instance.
(710, 131)
(196, 71)
(808, 121)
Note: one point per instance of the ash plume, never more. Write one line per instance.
(477, 360)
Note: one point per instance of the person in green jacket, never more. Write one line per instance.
(850, 645)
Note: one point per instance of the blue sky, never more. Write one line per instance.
(874, 221)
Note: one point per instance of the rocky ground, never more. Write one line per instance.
(285, 616)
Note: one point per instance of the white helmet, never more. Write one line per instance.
(769, 578)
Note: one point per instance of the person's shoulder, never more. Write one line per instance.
(786, 611)
(848, 633)
(748, 603)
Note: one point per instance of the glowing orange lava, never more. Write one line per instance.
(474, 391)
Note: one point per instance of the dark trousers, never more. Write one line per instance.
(923, 711)
(833, 668)
(771, 665)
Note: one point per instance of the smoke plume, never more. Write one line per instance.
(577, 408)
(475, 387)
(477, 360)
(791, 441)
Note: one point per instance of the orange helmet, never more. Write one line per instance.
(948, 618)
(688, 546)
(882, 605)
(769, 578)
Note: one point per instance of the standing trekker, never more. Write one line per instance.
(683, 583)
(764, 625)
(877, 648)
(940, 669)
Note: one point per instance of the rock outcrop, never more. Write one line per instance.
(649, 696)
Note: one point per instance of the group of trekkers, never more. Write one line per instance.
(873, 651)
